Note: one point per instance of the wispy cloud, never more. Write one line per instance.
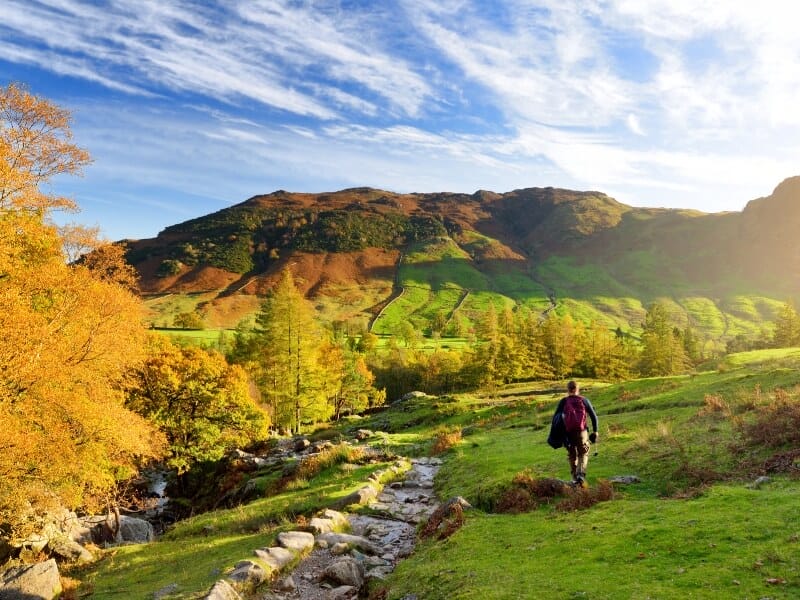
(673, 102)
(263, 51)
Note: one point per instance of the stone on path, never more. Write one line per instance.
(275, 557)
(298, 541)
(345, 571)
(343, 592)
(357, 541)
(222, 590)
(365, 495)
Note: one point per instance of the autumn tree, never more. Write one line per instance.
(203, 405)
(787, 327)
(68, 333)
(348, 382)
(188, 320)
(662, 347)
(283, 355)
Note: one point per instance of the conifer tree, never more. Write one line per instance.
(286, 346)
(787, 327)
(662, 348)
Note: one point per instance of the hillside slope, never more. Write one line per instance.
(354, 250)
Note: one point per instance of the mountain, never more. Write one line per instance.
(357, 250)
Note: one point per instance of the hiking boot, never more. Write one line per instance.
(581, 482)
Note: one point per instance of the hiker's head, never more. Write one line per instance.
(572, 387)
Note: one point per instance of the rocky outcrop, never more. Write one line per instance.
(104, 529)
(40, 581)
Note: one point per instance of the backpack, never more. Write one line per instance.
(574, 414)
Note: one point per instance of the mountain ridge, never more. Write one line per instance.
(519, 247)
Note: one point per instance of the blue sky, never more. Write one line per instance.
(191, 106)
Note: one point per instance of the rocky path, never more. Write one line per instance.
(341, 564)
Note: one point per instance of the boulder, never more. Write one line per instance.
(301, 445)
(131, 529)
(222, 590)
(40, 581)
(354, 541)
(339, 520)
(363, 434)
(248, 574)
(165, 591)
(624, 479)
(328, 522)
(298, 541)
(320, 446)
(317, 525)
(276, 557)
(136, 530)
(345, 571)
(412, 396)
(365, 495)
(70, 551)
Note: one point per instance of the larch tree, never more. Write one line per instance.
(787, 327)
(67, 331)
(662, 347)
(284, 351)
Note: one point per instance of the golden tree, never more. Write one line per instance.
(202, 404)
(68, 333)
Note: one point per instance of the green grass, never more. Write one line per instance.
(761, 357)
(210, 338)
(692, 529)
(627, 548)
(197, 551)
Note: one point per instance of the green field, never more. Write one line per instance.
(695, 527)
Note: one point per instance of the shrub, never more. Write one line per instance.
(444, 439)
(775, 425)
(714, 404)
(168, 267)
(313, 465)
(445, 520)
(527, 493)
(581, 498)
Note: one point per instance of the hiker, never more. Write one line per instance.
(569, 429)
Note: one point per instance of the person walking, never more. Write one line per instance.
(570, 421)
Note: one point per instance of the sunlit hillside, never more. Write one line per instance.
(373, 258)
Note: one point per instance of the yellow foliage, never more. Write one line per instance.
(67, 332)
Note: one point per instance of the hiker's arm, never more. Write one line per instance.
(560, 407)
(592, 414)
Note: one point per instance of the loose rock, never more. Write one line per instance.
(222, 590)
(299, 541)
(345, 571)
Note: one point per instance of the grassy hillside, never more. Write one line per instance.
(601, 260)
(695, 526)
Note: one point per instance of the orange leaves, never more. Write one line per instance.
(202, 404)
(68, 332)
(35, 146)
